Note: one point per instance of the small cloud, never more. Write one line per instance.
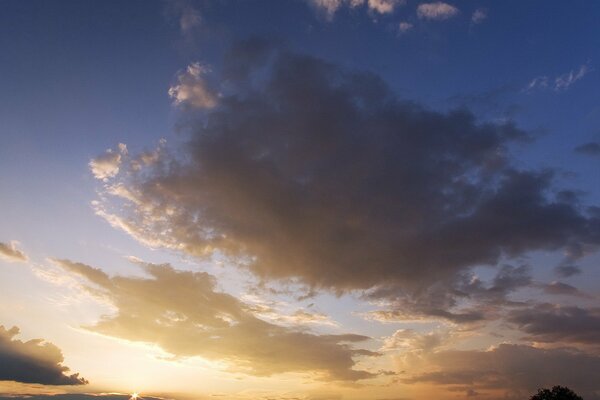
(479, 15)
(404, 26)
(436, 11)
(107, 165)
(193, 89)
(186, 15)
(330, 7)
(9, 252)
(588, 149)
(384, 6)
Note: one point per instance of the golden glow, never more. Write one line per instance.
(134, 396)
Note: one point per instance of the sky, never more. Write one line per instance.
(299, 200)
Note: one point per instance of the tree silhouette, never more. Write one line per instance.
(556, 393)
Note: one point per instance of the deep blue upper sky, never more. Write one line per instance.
(80, 76)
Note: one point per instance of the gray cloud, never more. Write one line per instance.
(181, 312)
(561, 288)
(516, 370)
(34, 361)
(307, 171)
(588, 149)
(554, 323)
(566, 271)
(462, 300)
(10, 252)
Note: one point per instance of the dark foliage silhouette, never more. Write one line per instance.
(556, 393)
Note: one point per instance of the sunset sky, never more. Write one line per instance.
(299, 199)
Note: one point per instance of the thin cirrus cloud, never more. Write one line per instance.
(33, 361)
(559, 83)
(436, 11)
(10, 252)
(182, 313)
(291, 190)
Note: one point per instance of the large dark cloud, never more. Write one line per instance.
(181, 312)
(554, 323)
(33, 361)
(306, 170)
(516, 370)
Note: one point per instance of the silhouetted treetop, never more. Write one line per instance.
(556, 393)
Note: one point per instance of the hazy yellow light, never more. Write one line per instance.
(134, 396)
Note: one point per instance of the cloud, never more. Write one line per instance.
(409, 340)
(10, 252)
(311, 172)
(564, 289)
(404, 26)
(566, 271)
(588, 149)
(384, 6)
(107, 165)
(34, 361)
(464, 299)
(436, 11)
(330, 7)
(182, 313)
(554, 323)
(479, 16)
(518, 370)
(192, 89)
(561, 82)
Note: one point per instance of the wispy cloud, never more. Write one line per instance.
(479, 16)
(559, 83)
(10, 252)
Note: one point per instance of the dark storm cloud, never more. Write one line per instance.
(589, 149)
(518, 369)
(306, 170)
(33, 361)
(181, 312)
(553, 323)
